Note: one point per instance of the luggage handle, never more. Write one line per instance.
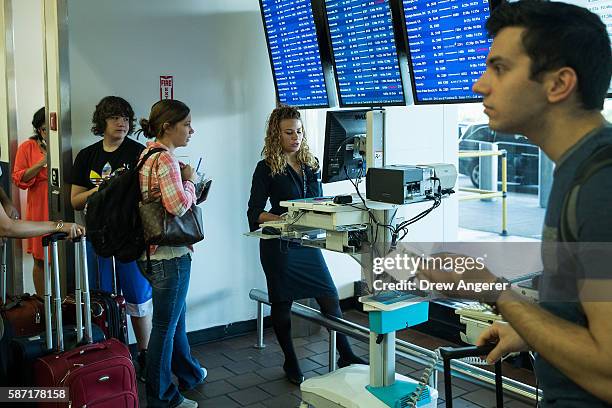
(3, 287)
(450, 353)
(83, 278)
(85, 349)
(56, 236)
(52, 285)
(80, 275)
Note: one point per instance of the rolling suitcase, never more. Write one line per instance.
(22, 315)
(99, 375)
(108, 311)
(24, 350)
(450, 353)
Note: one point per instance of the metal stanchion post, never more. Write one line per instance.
(332, 351)
(504, 193)
(260, 342)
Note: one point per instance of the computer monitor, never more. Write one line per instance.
(447, 47)
(297, 66)
(345, 136)
(364, 53)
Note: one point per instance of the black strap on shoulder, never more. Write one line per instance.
(147, 155)
(602, 158)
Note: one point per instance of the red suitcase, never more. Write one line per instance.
(97, 375)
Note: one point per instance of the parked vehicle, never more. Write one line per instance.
(523, 156)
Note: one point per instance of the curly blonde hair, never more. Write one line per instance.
(273, 150)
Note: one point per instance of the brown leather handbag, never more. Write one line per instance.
(162, 228)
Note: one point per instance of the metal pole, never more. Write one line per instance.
(504, 193)
(48, 319)
(78, 301)
(82, 261)
(448, 391)
(3, 287)
(260, 326)
(59, 334)
(332, 351)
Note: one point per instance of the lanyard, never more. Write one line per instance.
(303, 180)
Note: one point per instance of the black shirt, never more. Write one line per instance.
(285, 186)
(93, 164)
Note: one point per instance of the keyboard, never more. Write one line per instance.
(389, 297)
(478, 311)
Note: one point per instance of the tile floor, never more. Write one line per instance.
(241, 376)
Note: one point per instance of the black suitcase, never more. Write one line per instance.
(451, 353)
(108, 311)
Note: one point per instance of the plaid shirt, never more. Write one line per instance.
(177, 196)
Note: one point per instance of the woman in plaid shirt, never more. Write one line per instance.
(169, 124)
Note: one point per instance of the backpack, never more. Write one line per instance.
(568, 229)
(112, 219)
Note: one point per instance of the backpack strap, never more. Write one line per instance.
(602, 158)
(147, 155)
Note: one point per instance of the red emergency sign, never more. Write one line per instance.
(166, 87)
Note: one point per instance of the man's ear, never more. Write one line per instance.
(561, 84)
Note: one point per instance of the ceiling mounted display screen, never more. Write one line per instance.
(294, 53)
(365, 57)
(603, 8)
(447, 48)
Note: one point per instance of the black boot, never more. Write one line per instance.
(281, 322)
(293, 372)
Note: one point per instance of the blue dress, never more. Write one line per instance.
(292, 271)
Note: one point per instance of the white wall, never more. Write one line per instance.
(217, 54)
(30, 86)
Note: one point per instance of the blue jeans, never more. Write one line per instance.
(169, 350)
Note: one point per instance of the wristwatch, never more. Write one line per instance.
(60, 225)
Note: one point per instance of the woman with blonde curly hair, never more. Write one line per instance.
(289, 171)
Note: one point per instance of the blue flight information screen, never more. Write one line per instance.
(294, 53)
(603, 8)
(365, 56)
(448, 47)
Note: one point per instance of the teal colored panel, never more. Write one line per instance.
(389, 321)
(397, 394)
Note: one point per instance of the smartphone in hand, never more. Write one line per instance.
(203, 191)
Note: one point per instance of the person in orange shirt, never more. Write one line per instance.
(30, 173)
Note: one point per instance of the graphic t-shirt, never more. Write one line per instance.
(93, 165)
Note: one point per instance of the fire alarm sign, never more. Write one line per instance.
(166, 87)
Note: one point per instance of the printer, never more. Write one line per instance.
(402, 184)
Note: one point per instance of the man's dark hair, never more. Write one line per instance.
(111, 106)
(561, 35)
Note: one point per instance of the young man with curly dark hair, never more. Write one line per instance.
(113, 120)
